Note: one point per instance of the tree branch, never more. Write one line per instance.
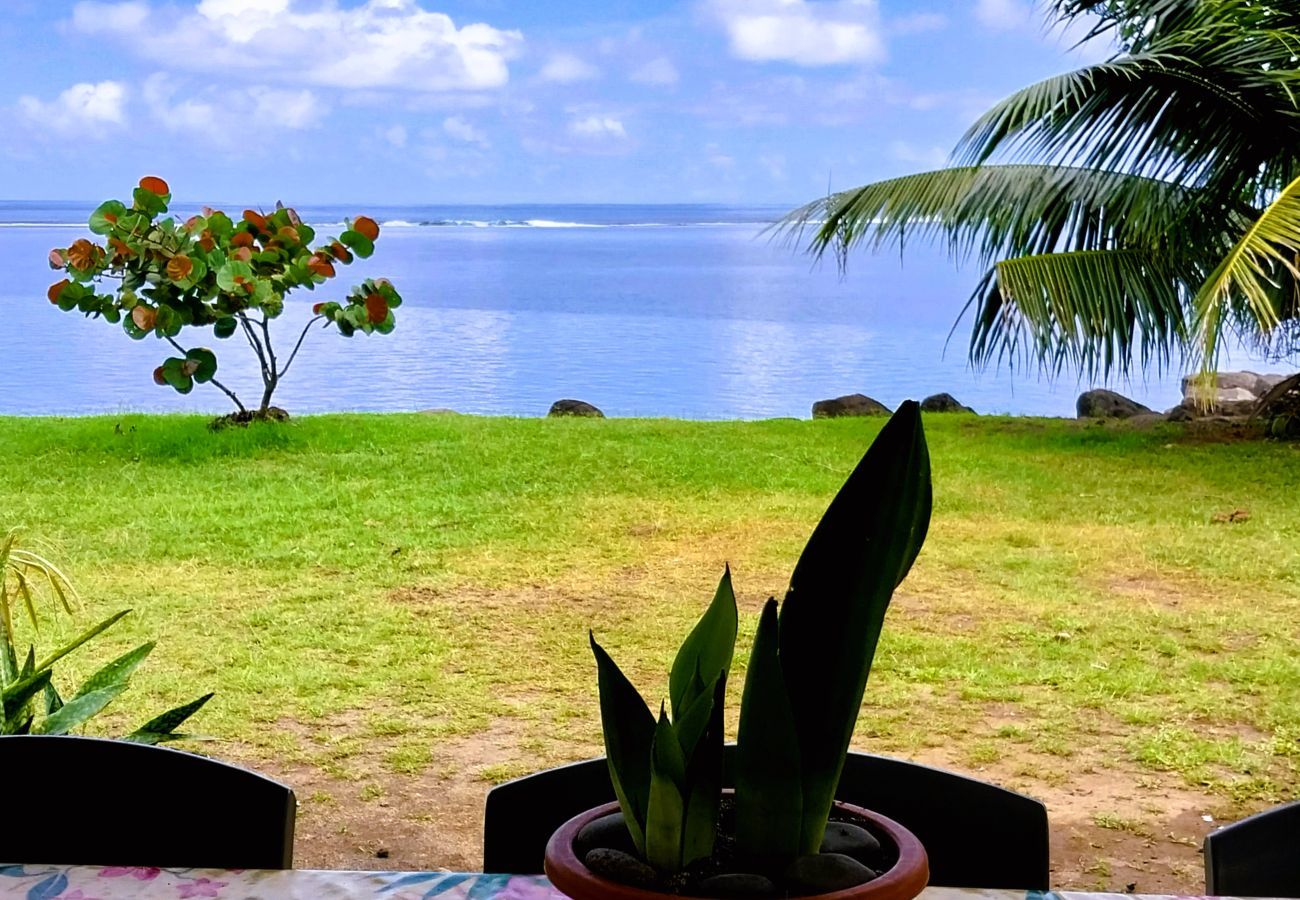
(298, 345)
(252, 342)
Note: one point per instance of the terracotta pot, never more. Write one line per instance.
(904, 881)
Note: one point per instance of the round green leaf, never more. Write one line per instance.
(225, 327)
(99, 219)
(207, 363)
(361, 245)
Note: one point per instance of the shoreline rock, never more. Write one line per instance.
(574, 408)
(849, 405)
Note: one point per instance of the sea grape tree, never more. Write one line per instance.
(215, 271)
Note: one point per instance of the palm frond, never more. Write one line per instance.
(1094, 310)
(1258, 281)
(1158, 114)
(996, 212)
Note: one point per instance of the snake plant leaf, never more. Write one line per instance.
(769, 791)
(162, 728)
(830, 622)
(119, 670)
(704, 782)
(79, 710)
(707, 650)
(629, 729)
(693, 722)
(667, 805)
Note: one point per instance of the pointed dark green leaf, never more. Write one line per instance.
(629, 729)
(694, 720)
(78, 711)
(53, 701)
(166, 723)
(666, 809)
(830, 622)
(117, 671)
(707, 650)
(704, 782)
(769, 791)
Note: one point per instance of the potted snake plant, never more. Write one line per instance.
(674, 830)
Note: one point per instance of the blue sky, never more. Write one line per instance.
(496, 101)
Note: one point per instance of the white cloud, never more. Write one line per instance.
(660, 71)
(565, 68)
(774, 165)
(84, 109)
(932, 157)
(598, 127)
(396, 135)
(464, 131)
(1004, 15)
(228, 115)
(377, 44)
(801, 31)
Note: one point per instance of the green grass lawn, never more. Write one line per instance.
(361, 590)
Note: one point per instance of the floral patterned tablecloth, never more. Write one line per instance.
(116, 882)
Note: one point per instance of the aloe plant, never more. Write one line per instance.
(29, 701)
(807, 672)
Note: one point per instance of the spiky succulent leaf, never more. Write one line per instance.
(831, 620)
(162, 728)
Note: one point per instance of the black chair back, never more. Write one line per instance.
(88, 801)
(1256, 857)
(976, 834)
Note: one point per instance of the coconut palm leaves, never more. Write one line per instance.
(1125, 212)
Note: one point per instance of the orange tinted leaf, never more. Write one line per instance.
(192, 222)
(206, 241)
(179, 268)
(256, 219)
(144, 318)
(319, 265)
(82, 254)
(158, 376)
(242, 254)
(56, 259)
(288, 233)
(56, 289)
(341, 253)
(376, 309)
(316, 308)
(367, 226)
(242, 239)
(154, 185)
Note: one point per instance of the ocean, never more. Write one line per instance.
(669, 310)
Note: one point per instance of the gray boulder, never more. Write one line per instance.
(1104, 404)
(1232, 387)
(575, 408)
(943, 403)
(849, 405)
